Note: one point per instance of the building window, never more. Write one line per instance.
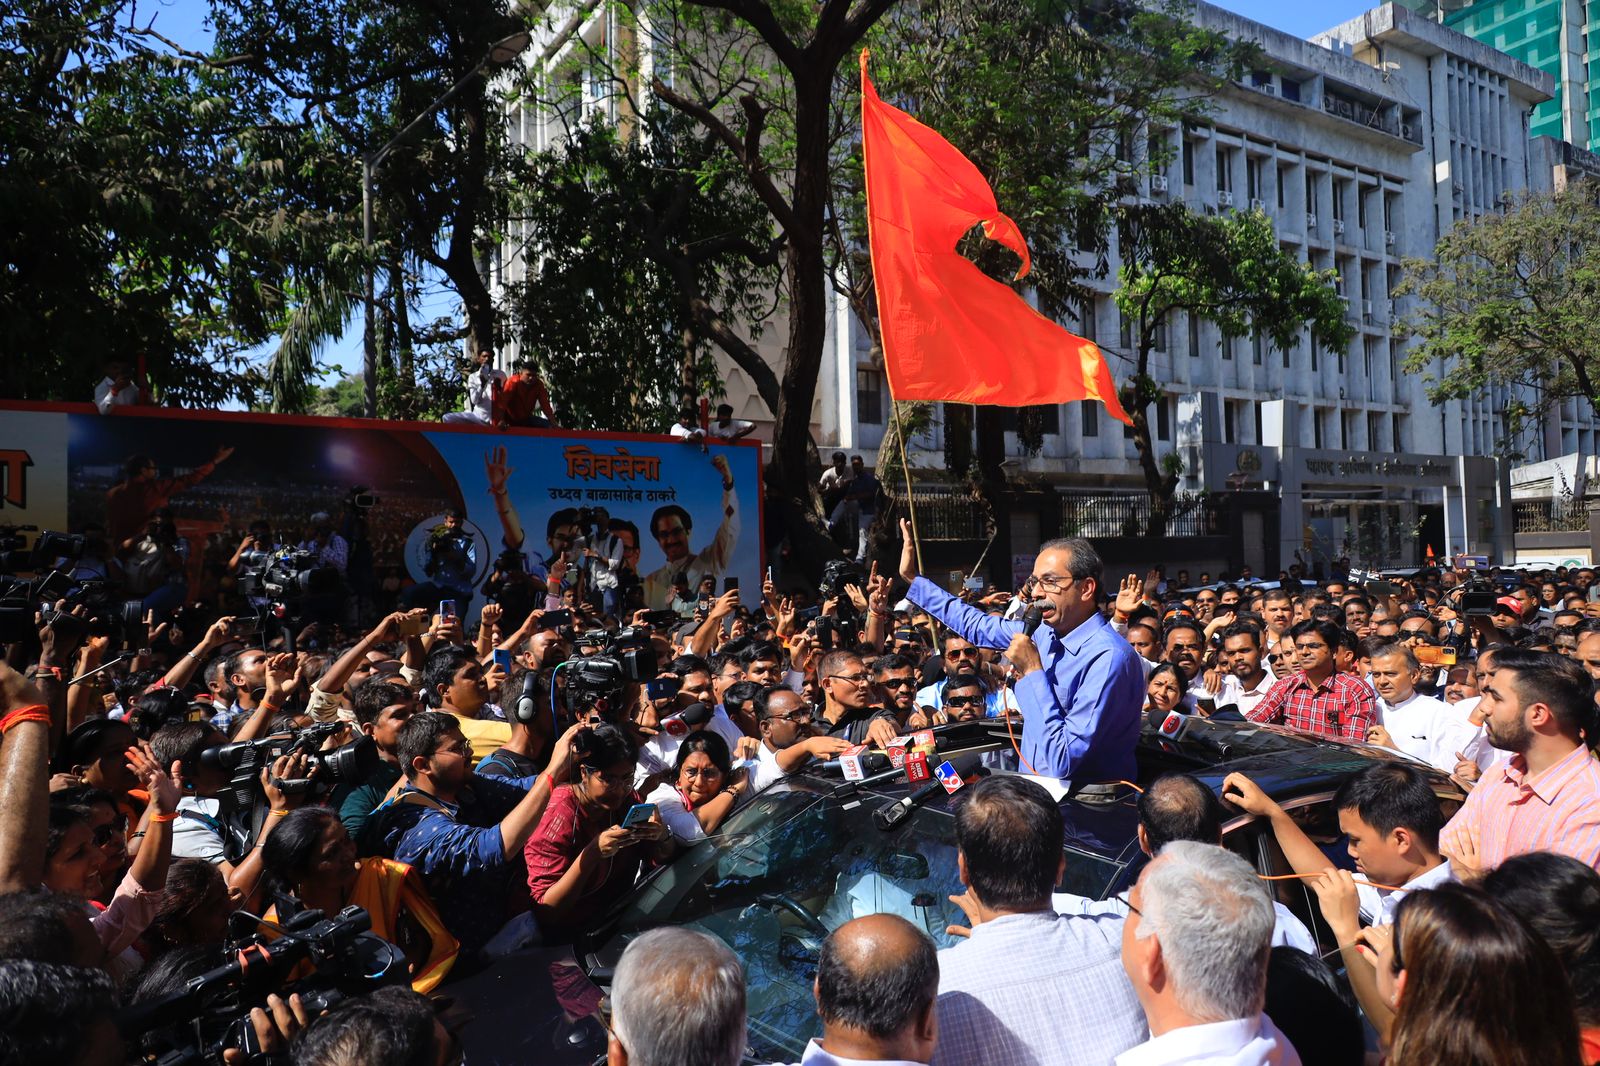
(1261, 430)
(1188, 161)
(1283, 183)
(1361, 207)
(1164, 418)
(1230, 422)
(1224, 170)
(1194, 336)
(1314, 352)
(1091, 418)
(1338, 200)
(1086, 321)
(1252, 174)
(1316, 428)
(1257, 349)
(1124, 331)
(869, 396)
(1402, 438)
(1048, 414)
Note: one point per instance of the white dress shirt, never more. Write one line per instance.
(1287, 930)
(1239, 1042)
(661, 751)
(1378, 904)
(1245, 699)
(1428, 730)
(815, 1056)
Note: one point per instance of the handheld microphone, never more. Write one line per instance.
(686, 721)
(1032, 619)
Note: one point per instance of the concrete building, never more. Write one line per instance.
(1549, 35)
(1363, 145)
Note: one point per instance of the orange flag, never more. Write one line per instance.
(950, 332)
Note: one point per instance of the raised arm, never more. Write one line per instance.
(182, 670)
(975, 626)
(498, 473)
(1303, 854)
(24, 782)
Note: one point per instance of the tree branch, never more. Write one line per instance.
(760, 180)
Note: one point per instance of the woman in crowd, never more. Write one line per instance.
(580, 858)
(309, 863)
(704, 788)
(109, 827)
(1164, 690)
(1472, 985)
(95, 755)
(193, 909)
(1559, 897)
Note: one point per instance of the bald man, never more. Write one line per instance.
(877, 983)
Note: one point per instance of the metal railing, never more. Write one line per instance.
(1564, 515)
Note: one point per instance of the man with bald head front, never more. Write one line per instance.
(877, 983)
(1080, 685)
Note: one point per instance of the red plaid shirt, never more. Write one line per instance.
(1342, 706)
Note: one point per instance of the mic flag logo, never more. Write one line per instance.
(14, 463)
(948, 777)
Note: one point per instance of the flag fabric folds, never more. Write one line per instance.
(950, 332)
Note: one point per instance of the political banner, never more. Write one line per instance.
(409, 512)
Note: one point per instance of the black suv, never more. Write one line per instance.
(814, 851)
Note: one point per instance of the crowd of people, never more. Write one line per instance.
(473, 785)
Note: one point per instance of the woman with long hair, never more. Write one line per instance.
(1472, 984)
(581, 858)
(703, 790)
(1559, 897)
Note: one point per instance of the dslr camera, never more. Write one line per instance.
(245, 759)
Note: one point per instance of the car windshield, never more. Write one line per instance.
(794, 865)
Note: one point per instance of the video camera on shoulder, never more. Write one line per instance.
(245, 759)
(211, 1012)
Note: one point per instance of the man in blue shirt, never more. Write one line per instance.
(464, 832)
(1080, 685)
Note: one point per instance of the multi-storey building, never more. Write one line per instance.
(1548, 35)
(1363, 146)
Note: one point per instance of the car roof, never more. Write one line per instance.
(1102, 819)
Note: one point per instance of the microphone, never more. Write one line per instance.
(687, 720)
(1032, 619)
(892, 814)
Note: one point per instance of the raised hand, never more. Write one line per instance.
(496, 470)
(1129, 595)
(164, 789)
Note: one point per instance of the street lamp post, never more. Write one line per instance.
(499, 54)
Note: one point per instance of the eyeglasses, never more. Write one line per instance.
(1186, 647)
(964, 701)
(798, 717)
(1049, 582)
(898, 682)
(105, 834)
(697, 772)
(854, 679)
(1123, 898)
(465, 751)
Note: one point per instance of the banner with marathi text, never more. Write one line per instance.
(677, 507)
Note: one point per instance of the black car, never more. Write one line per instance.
(814, 851)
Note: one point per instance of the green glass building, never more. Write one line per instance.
(1549, 35)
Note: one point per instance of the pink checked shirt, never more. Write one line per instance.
(1557, 811)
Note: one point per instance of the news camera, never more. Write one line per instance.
(606, 664)
(244, 760)
(211, 1012)
(106, 612)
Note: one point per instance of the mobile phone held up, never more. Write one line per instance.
(447, 608)
(639, 814)
(502, 659)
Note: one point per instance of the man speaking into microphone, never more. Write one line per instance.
(1079, 683)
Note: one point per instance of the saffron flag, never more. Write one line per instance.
(949, 331)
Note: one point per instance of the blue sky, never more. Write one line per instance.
(184, 22)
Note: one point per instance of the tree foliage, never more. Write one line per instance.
(631, 244)
(1229, 269)
(1509, 299)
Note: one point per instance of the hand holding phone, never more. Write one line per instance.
(502, 659)
(447, 608)
(639, 814)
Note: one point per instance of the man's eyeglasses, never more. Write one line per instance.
(465, 751)
(798, 717)
(1123, 898)
(854, 679)
(1049, 582)
(898, 682)
(961, 653)
(964, 701)
(1318, 646)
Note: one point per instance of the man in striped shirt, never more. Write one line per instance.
(1546, 796)
(1318, 699)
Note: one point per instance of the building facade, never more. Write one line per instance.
(1363, 146)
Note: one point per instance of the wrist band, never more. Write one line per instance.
(52, 671)
(280, 814)
(37, 712)
(270, 708)
(161, 817)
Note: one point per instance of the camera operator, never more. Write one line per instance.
(331, 549)
(201, 830)
(382, 708)
(153, 564)
(447, 564)
(465, 832)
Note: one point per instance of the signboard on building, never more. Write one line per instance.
(385, 487)
(1375, 468)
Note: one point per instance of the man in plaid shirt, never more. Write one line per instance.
(1318, 699)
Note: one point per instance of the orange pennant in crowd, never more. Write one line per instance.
(949, 331)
